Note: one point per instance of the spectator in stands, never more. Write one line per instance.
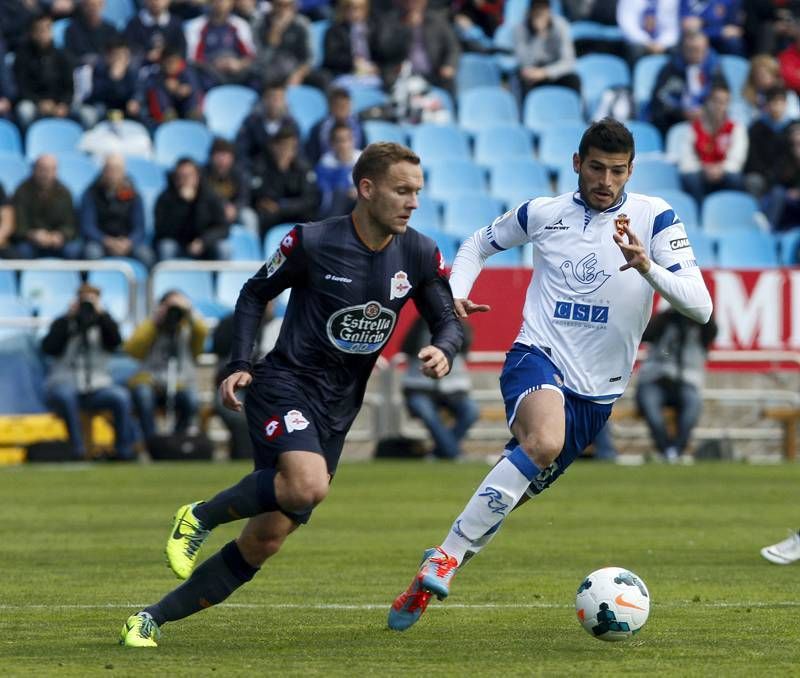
(782, 204)
(260, 126)
(648, 26)
(81, 342)
(43, 74)
(789, 60)
(112, 216)
(6, 226)
(767, 141)
(715, 149)
(240, 445)
(350, 44)
(221, 43)
(720, 20)
(335, 173)
(114, 86)
(286, 189)
(597, 11)
(683, 84)
(769, 25)
(171, 90)
(88, 34)
(168, 345)
(230, 184)
(188, 9)
(427, 398)
(340, 112)
(152, 30)
(764, 75)
(190, 219)
(476, 22)
(252, 11)
(8, 90)
(44, 216)
(544, 49)
(283, 43)
(672, 376)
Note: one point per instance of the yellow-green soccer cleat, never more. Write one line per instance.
(140, 631)
(185, 540)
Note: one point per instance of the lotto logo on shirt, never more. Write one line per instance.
(581, 313)
(289, 241)
(273, 428)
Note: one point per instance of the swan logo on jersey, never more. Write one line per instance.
(399, 286)
(361, 329)
(581, 277)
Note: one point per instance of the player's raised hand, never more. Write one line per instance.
(434, 362)
(633, 250)
(465, 307)
(229, 386)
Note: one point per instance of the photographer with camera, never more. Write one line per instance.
(81, 343)
(168, 345)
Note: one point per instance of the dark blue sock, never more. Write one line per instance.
(252, 495)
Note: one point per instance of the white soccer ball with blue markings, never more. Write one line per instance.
(612, 603)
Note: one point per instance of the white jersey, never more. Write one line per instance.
(580, 309)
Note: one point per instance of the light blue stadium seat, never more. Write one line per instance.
(225, 107)
(244, 245)
(229, 284)
(60, 32)
(273, 237)
(476, 70)
(446, 242)
(10, 138)
(14, 169)
(502, 142)
(550, 104)
(645, 73)
(444, 99)
(646, 137)
(455, 176)
(566, 179)
(559, 142)
(510, 258)
(149, 199)
(381, 130)
(115, 293)
(675, 141)
(724, 211)
(735, 69)
(789, 247)
(76, 171)
(12, 307)
(45, 289)
(510, 179)
(428, 215)
(318, 30)
(683, 205)
(308, 105)
(434, 143)
(51, 135)
(119, 12)
(364, 98)
(503, 41)
(181, 138)
(196, 285)
(145, 173)
(704, 247)
(651, 175)
(594, 30)
(598, 72)
(465, 213)
(8, 284)
(482, 107)
(514, 11)
(747, 248)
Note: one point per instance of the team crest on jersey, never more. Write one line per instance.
(621, 222)
(399, 285)
(361, 329)
(273, 428)
(295, 421)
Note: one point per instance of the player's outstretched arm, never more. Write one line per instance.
(229, 386)
(465, 307)
(434, 362)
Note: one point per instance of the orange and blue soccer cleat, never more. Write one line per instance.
(433, 579)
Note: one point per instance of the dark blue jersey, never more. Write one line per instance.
(343, 308)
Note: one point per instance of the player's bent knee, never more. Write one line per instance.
(304, 494)
(542, 448)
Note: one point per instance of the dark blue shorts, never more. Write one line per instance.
(528, 369)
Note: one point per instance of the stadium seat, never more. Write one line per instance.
(514, 11)
(41, 288)
(196, 285)
(735, 69)
(595, 31)
(229, 284)
(598, 72)
(434, 143)
(683, 205)
(181, 138)
(427, 216)
(645, 73)
(244, 245)
(545, 106)
(652, 176)
(13, 308)
(8, 284)
(76, 171)
(145, 173)
(308, 105)
(509, 258)
(51, 135)
(455, 176)
(502, 142)
(318, 29)
(476, 70)
(510, 179)
(704, 247)
(380, 130)
(447, 244)
(364, 98)
(465, 213)
(225, 107)
(14, 169)
(746, 248)
(675, 141)
(118, 12)
(60, 32)
(646, 137)
(444, 98)
(115, 293)
(22, 366)
(10, 138)
(482, 107)
(789, 247)
(566, 179)
(149, 198)
(724, 211)
(558, 142)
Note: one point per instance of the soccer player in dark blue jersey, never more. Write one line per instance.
(349, 276)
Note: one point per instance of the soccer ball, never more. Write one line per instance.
(612, 603)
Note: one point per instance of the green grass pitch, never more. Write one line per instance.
(81, 549)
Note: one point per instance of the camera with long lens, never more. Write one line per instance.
(173, 318)
(87, 315)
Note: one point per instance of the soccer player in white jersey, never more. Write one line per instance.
(598, 256)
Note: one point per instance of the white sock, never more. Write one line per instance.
(499, 492)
